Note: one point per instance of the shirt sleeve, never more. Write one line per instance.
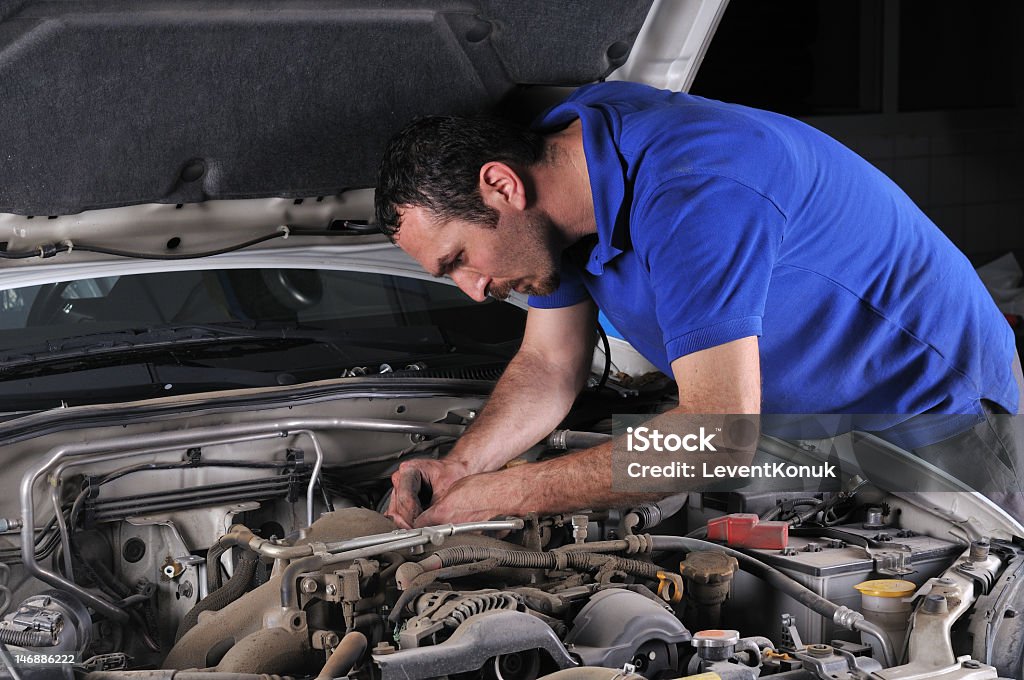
(570, 291)
(710, 244)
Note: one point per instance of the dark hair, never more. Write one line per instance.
(435, 162)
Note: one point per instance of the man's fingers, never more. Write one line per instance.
(428, 517)
(405, 504)
(399, 513)
(399, 521)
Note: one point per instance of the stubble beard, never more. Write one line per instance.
(538, 258)
(546, 286)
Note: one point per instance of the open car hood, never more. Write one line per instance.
(111, 103)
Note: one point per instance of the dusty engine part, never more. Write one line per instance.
(344, 656)
(442, 611)
(708, 577)
(570, 590)
(270, 650)
(481, 638)
(619, 627)
(216, 632)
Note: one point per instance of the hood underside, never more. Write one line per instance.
(110, 102)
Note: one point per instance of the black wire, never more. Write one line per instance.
(607, 356)
(45, 541)
(51, 249)
(177, 256)
(323, 490)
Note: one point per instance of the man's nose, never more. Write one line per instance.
(471, 283)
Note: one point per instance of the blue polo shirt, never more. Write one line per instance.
(717, 222)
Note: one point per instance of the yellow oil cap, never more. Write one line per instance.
(886, 587)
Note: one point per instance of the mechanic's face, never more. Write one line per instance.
(516, 254)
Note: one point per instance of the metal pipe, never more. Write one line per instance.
(314, 477)
(289, 552)
(60, 458)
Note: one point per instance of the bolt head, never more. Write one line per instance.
(332, 589)
(309, 585)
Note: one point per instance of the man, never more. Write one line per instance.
(757, 261)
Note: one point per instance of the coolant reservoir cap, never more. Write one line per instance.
(716, 638)
(886, 587)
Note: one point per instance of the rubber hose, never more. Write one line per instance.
(652, 514)
(344, 656)
(26, 638)
(104, 580)
(522, 559)
(223, 596)
(593, 547)
(420, 583)
(395, 560)
(777, 579)
(564, 440)
(213, 556)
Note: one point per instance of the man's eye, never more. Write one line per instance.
(459, 259)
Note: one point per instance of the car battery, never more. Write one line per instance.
(831, 562)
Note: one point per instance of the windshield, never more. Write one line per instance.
(292, 325)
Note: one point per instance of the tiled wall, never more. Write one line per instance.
(968, 176)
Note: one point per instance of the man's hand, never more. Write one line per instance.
(410, 479)
(475, 498)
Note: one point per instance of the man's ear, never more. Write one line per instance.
(501, 186)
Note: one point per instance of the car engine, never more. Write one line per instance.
(217, 541)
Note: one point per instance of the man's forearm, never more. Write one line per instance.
(575, 481)
(584, 479)
(528, 402)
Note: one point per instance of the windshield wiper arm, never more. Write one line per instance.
(160, 338)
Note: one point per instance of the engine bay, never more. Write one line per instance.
(216, 541)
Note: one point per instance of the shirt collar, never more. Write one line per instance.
(606, 168)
